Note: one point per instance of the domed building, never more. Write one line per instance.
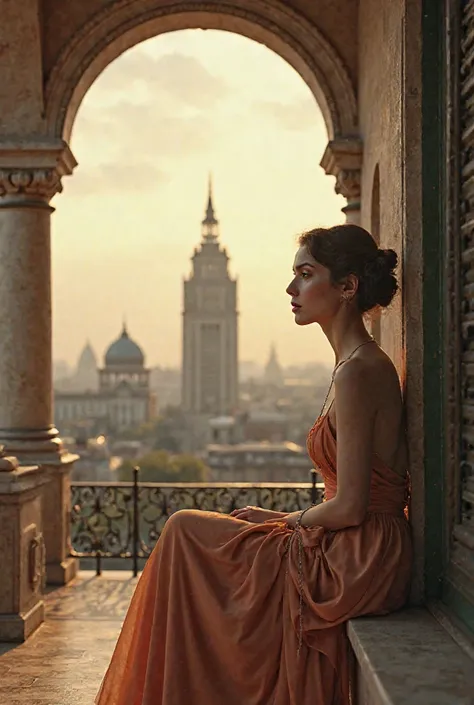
(85, 377)
(125, 379)
(123, 400)
(124, 352)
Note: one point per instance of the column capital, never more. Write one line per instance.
(342, 158)
(31, 172)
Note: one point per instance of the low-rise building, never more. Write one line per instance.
(258, 462)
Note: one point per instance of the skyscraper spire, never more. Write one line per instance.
(210, 222)
(273, 373)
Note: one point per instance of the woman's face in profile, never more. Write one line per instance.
(314, 298)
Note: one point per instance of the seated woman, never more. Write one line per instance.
(250, 609)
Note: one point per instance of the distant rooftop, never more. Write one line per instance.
(256, 447)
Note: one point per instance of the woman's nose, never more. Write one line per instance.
(290, 289)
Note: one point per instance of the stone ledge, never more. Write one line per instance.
(408, 658)
(18, 627)
(22, 479)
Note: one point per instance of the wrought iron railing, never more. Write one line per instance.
(125, 519)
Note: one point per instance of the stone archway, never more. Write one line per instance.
(123, 24)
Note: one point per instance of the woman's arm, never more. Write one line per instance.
(257, 515)
(355, 402)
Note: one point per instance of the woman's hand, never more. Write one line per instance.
(292, 518)
(257, 515)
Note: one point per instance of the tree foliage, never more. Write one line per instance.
(163, 433)
(161, 466)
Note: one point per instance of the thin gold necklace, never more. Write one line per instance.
(341, 362)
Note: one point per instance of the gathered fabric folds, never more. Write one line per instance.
(232, 613)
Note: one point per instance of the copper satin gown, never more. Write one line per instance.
(216, 617)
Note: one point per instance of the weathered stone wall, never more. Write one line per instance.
(338, 21)
(61, 21)
(390, 123)
(380, 119)
(21, 86)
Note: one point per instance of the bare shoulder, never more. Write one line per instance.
(368, 377)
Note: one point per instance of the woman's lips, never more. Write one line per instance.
(295, 307)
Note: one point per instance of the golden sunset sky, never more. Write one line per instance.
(149, 130)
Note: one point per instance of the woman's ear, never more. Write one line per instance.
(349, 287)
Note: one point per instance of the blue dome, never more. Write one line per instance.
(124, 351)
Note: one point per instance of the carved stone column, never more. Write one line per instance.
(30, 175)
(342, 158)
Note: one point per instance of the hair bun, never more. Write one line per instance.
(387, 259)
(378, 284)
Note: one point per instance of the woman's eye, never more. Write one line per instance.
(304, 275)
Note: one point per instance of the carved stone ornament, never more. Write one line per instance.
(348, 183)
(36, 183)
(343, 159)
(31, 172)
(36, 562)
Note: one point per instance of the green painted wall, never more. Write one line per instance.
(433, 107)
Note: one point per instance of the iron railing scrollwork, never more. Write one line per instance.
(125, 519)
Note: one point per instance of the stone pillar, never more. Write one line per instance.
(342, 158)
(30, 175)
(21, 549)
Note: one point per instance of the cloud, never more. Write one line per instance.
(142, 108)
(298, 116)
(144, 129)
(178, 76)
(116, 177)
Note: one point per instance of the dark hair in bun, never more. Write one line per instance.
(349, 249)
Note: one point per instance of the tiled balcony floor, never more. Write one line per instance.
(64, 661)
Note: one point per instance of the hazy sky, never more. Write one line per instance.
(148, 132)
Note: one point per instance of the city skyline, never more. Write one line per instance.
(66, 368)
(247, 367)
(128, 220)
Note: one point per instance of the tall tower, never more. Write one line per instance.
(273, 372)
(210, 365)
